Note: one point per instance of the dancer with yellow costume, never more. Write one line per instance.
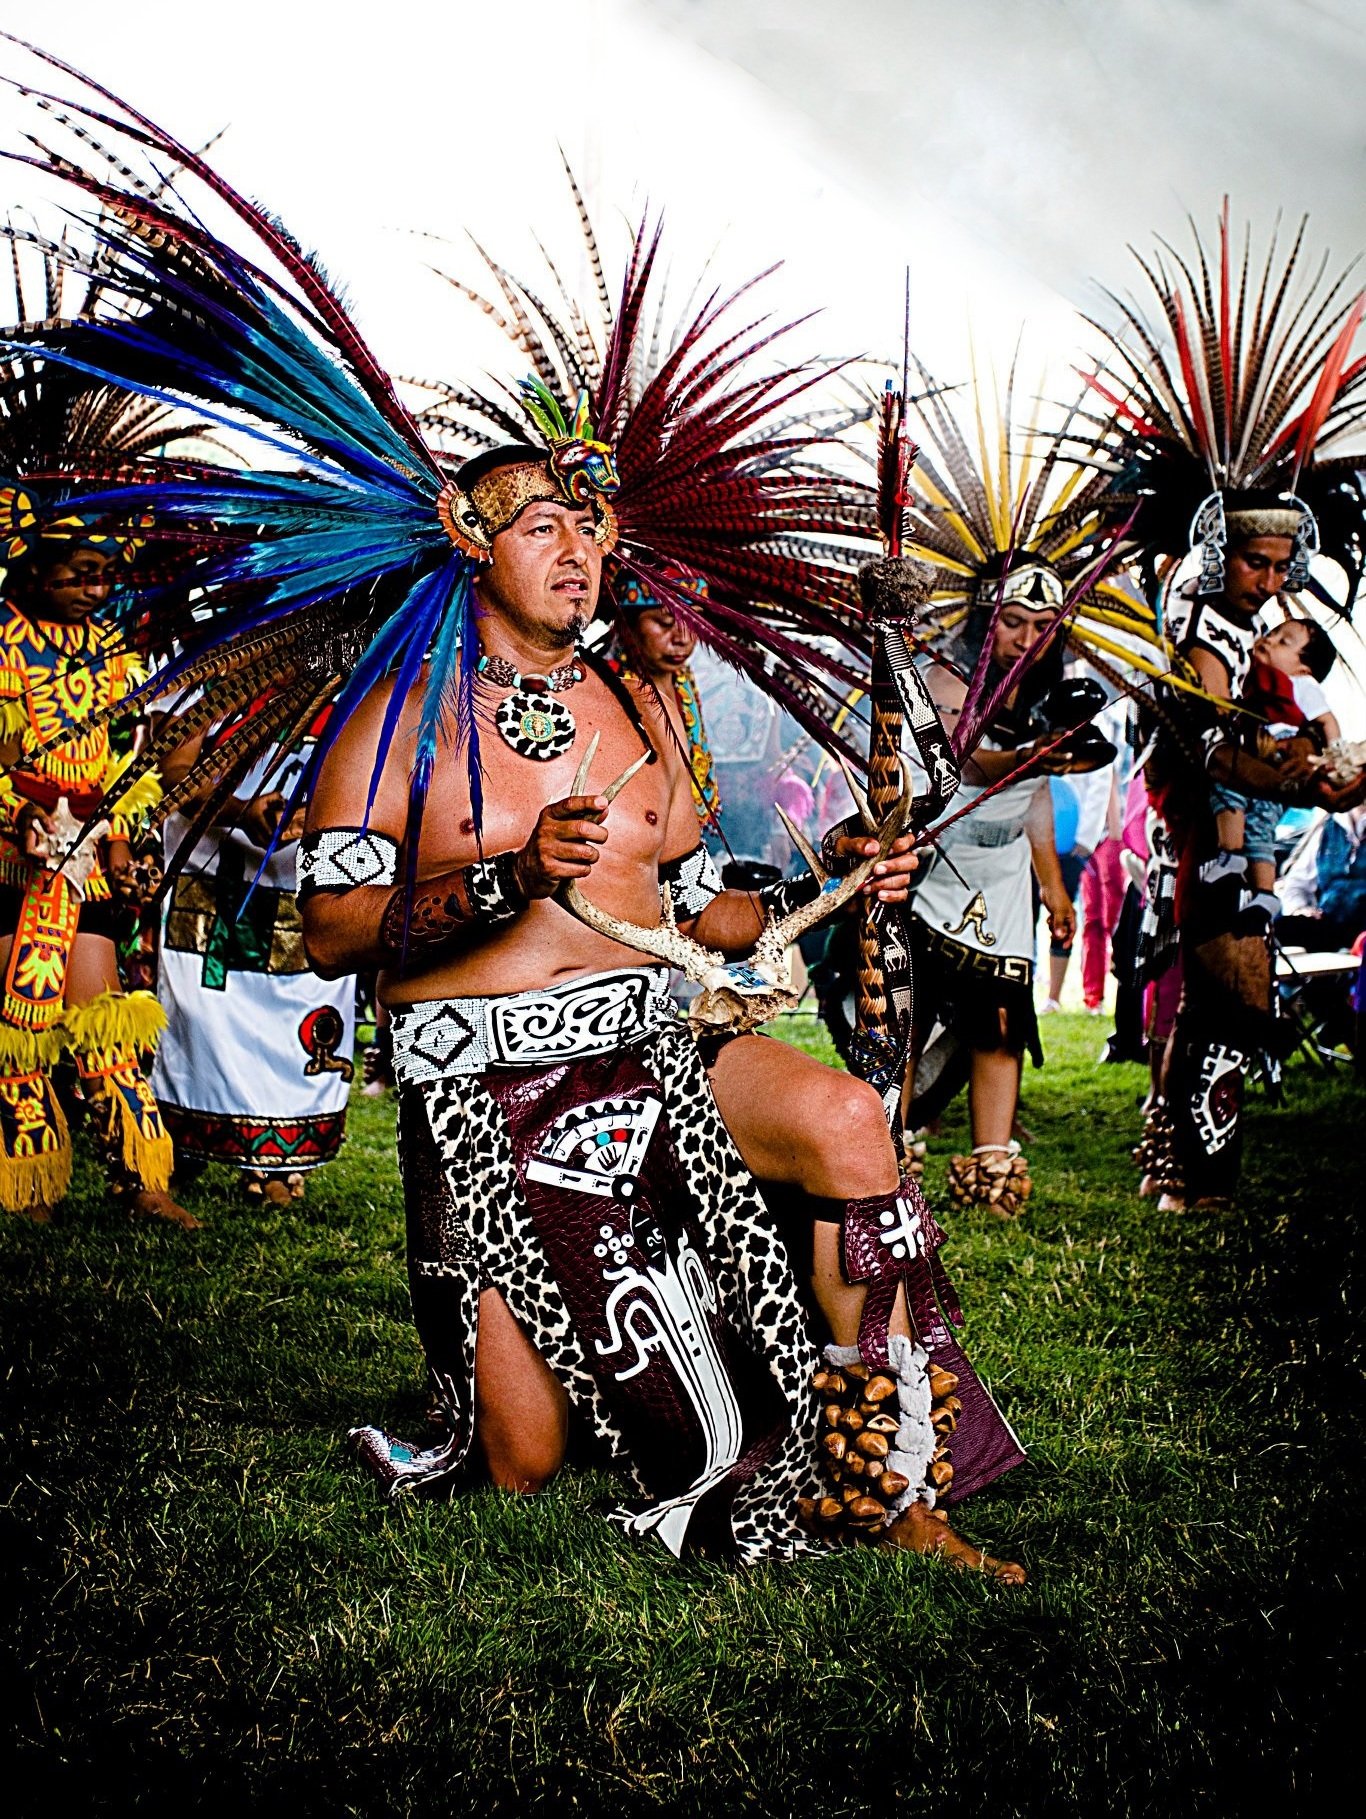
(61, 666)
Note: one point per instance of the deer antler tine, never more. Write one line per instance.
(860, 799)
(778, 935)
(664, 941)
(614, 789)
(580, 783)
(803, 846)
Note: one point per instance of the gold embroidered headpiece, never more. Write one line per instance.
(1271, 521)
(576, 469)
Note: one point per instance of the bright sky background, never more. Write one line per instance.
(1008, 149)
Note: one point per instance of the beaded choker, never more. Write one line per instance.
(531, 721)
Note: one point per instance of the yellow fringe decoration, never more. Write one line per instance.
(30, 1051)
(115, 1020)
(27, 1181)
(13, 719)
(150, 1159)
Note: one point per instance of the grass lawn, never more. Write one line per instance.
(212, 1609)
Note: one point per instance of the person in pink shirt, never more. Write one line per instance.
(1102, 897)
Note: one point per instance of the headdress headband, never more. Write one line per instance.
(578, 470)
(635, 595)
(24, 526)
(1038, 588)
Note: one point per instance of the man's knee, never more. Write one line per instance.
(524, 1463)
(850, 1120)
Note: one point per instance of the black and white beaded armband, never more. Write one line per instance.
(344, 859)
(693, 881)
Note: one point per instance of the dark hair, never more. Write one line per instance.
(508, 454)
(1318, 653)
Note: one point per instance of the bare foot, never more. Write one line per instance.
(156, 1203)
(40, 1212)
(276, 1191)
(926, 1531)
(1207, 1203)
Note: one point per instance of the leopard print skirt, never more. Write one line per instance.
(604, 1199)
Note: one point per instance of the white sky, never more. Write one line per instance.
(1008, 149)
(434, 119)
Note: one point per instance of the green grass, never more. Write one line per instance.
(212, 1609)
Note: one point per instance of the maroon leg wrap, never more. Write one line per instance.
(893, 1239)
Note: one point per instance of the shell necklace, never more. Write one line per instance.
(531, 720)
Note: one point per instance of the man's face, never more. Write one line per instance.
(543, 580)
(1256, 572)
(663, 642)
(1017, 632)
(70, 589)
(1283, 647)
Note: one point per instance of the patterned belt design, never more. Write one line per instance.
(589, 1016)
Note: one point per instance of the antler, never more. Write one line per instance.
(834, 893)
(764, 990)
(664, 942)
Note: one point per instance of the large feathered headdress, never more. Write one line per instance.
(1221, 420)
(360, 546)
(720, 470)
(65, 437)
(1008, 519)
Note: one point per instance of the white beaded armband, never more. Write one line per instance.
(693, 881)
(344, 858)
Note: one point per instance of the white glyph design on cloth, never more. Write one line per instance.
(900, 1230)
(597, 1148)
(664, 1307)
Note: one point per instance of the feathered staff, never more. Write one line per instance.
(892, 591)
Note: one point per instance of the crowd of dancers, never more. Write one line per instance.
(316, 684)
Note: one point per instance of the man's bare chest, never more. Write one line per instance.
(516, 788)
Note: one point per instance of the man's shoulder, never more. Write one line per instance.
(364, 719)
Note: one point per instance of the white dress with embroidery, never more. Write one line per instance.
(256, 1062)
(975, 889)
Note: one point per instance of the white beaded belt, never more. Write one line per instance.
(591, 1015)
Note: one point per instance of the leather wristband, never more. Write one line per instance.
(787, 894)
(848, 829)
(443, 909)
